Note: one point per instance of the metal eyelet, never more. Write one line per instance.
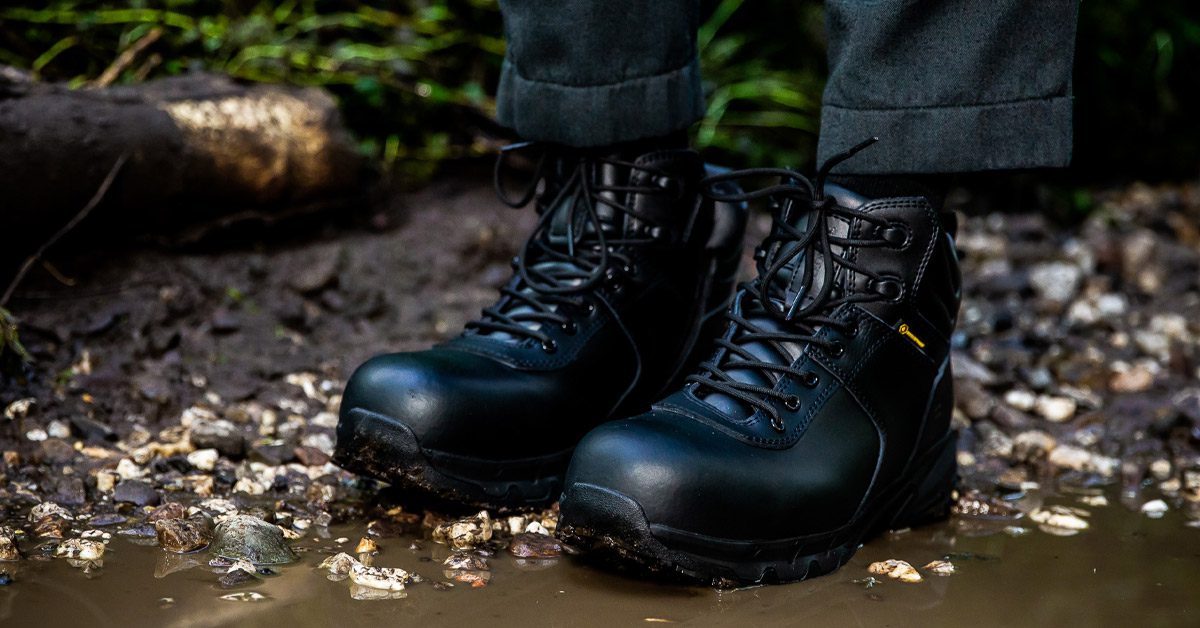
(811, 379)
(791, 402)
(549, 345)
(569, 328)
(515, 261)
(896, 234)
(837, 349)
(889, 287)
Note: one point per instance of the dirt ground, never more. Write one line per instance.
(1077, 358)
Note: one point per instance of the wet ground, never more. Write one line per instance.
(1125, 571)
(189, 376)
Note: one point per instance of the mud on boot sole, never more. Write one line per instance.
(385, 449)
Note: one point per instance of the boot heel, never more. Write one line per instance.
(931, 498)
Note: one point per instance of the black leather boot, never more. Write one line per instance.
(617, 295)
(822, 419)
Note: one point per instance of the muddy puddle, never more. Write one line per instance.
(1126, 569)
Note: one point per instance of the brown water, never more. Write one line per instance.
(1127, 570)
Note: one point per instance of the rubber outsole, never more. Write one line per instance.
(611, 526)
(383, 448)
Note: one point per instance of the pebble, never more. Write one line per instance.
(465, 533)
(8, 545)
(1160, 469)
(339, 564)
(895, 569)
(366, 546)
(1032, 445)
(940, 568)
(1078, 459)
(137, 492)
(106, 481)
(1060, 518)
(1020, 399)
(1155, 509)
(1057, 282)
(242, 572)
(383, 578)
(80, 549)
(181, 536)
(219, 434)
(204, 459)
(465, 561)
(1055, 409)
(250, 538)
(538, 546)
(244, 596)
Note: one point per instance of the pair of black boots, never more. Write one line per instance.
(753, 434)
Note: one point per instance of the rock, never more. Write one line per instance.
(1074, 458)
(106, 481)
(80, 549)
(382, 578)
(940, 568)
(129, 470)
(1032, 445)
(1055, 409)
(339, 564)
(1020, 399)
(1134, 379)
(219, 434)
(19, 409)
(1096, 501)
(895, 569)
(1057, 282)
(136, 492)
(311, 456)
(366, 546)
(242, 572)
(527, 545)
(204, 459)
(91, 429)
(465, 561)
(8, 545)
(1160, 469)
(181, 536)
(315, 272)
(465, 533)
(49, 509)
(171, 510)
(1060, 520)
(245, 537)
(225, 321)
(1155, 509)
(5, 579)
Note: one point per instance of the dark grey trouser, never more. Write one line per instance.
(948, 85)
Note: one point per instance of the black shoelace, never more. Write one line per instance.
(554, 276)
(807, 311)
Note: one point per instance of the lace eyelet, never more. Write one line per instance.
(890, 288)
(569, 328)
(811, 379)
(589, 307)
(837, 349)
(791, 402)
(896, 234)
(549, 345)
(515, 261)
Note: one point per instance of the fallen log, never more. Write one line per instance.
(198, 147)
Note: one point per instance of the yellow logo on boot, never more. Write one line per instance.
(907, 332)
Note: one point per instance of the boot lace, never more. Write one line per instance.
(554, 276)
(808, 308)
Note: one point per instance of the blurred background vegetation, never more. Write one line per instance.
(416, 78)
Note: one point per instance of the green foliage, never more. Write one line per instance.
(415, 78)
(12, 352)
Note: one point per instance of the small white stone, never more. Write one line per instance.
(1020, 399)
(204, 459)
(129, 470)
(1155, 508)
(36, 435)
(896, 569)
(1060, 517)
(19, 409)
(80, 549)
(1160, 469)
(58, 429)
(383, 578)
(1055, 409)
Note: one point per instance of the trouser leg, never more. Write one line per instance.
(949, 85)
(597, 72)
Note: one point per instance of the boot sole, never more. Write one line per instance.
(612, 526)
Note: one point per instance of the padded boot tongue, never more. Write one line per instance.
(792, 288)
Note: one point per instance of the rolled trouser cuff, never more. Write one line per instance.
(1023, 134)
(598, 115)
